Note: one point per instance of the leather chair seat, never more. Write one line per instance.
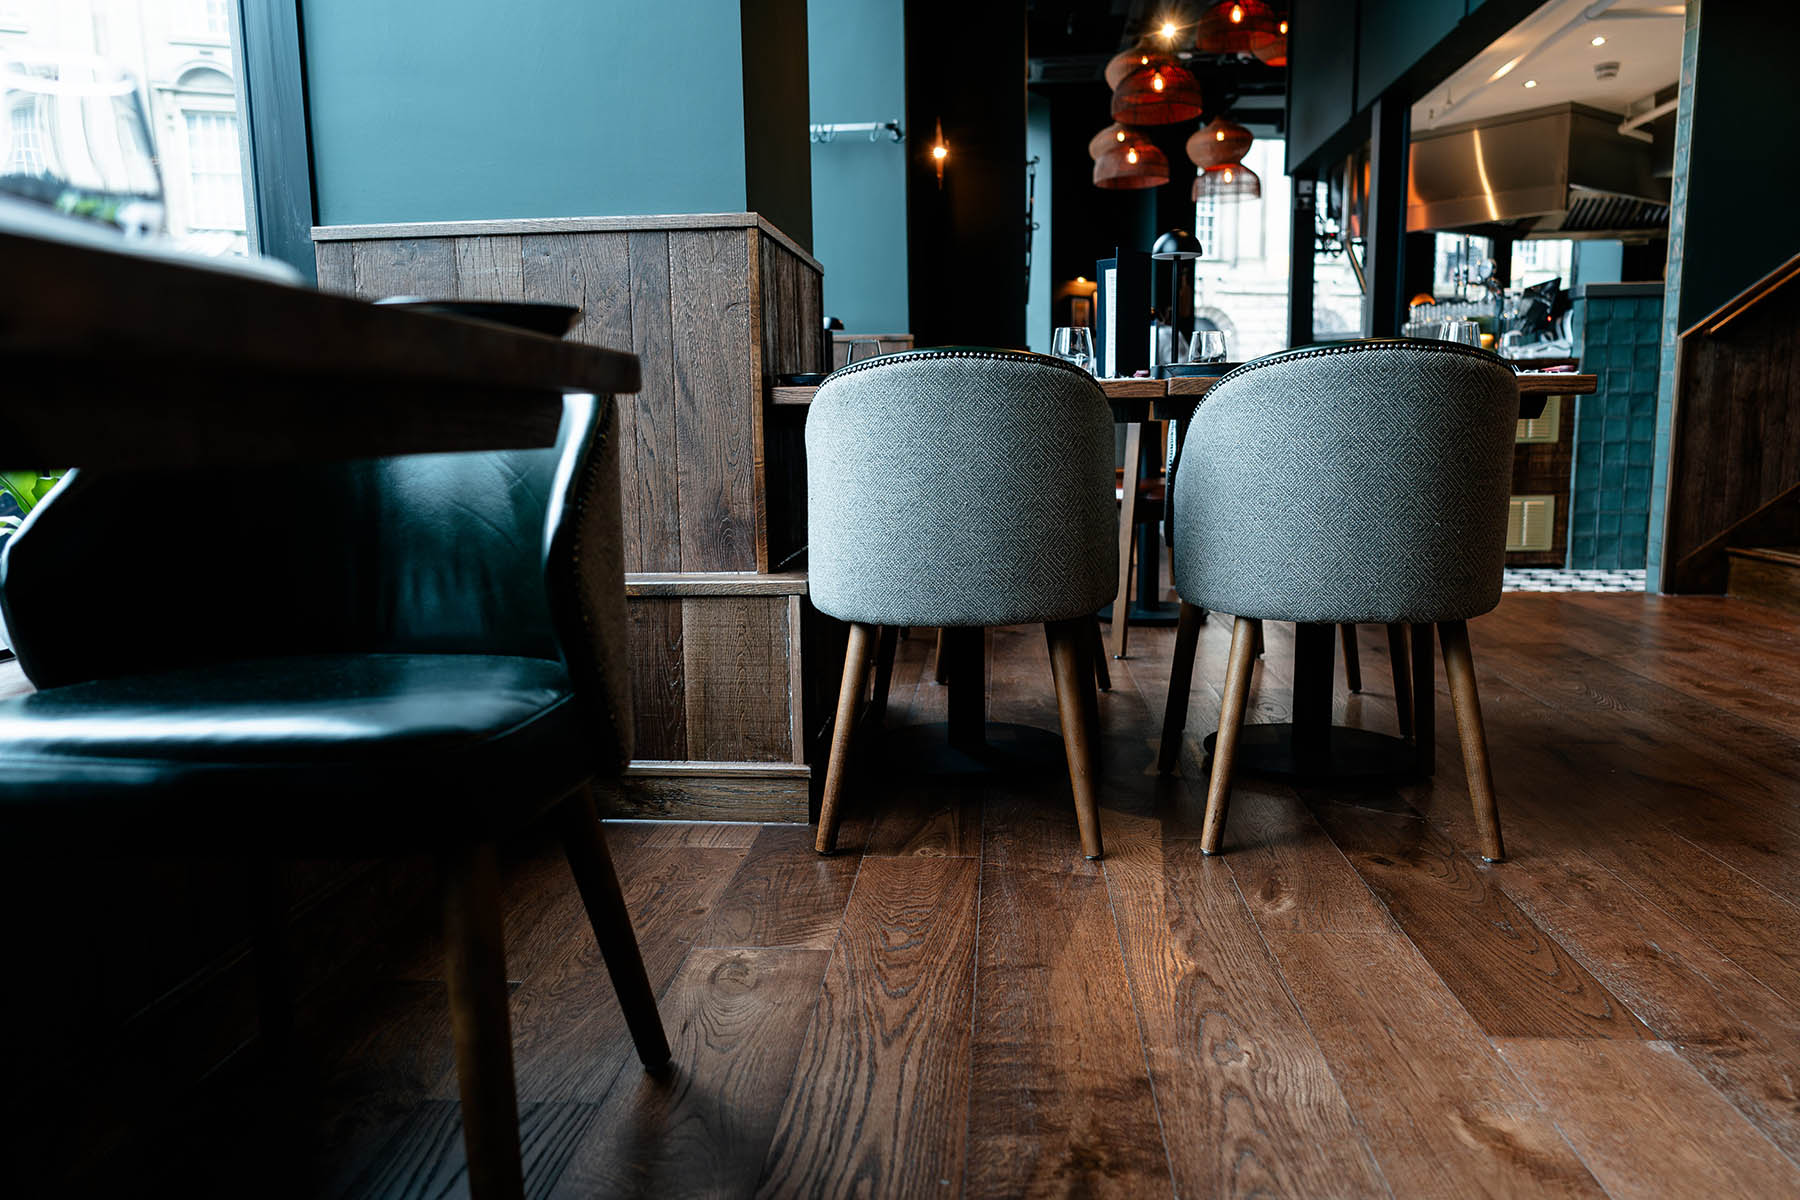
(387, 746)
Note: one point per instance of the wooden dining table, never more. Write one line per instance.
(1310, 746)
(127, 360)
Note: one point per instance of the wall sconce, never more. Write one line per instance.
(940, 150)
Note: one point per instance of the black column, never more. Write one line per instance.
(1300, 261)
(965, 68)
(1385, 243)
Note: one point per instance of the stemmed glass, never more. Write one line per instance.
(76, 141)
(1074, 344)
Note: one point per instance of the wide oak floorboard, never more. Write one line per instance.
(1345, 1003)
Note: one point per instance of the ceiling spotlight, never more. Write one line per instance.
(1505, 70)
(1598, 41)
(1531, 83)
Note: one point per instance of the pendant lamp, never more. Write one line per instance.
(1113, 135)
(1275, 53)
(1230, 182)
(1158, 92)
(1134, 164)
(1223, 141)
(1237, 27)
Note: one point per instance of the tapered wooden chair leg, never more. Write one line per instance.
(1400, 656)
(591, 865)
(1231, 722)
(884, 672)
(941, 672)
(1181, 683)
(1074, 676)
(856, 667)
(475, 968)
(1102, 673)
(1352, 658)
(1459, 672)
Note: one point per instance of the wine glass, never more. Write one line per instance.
(1074, 344)
(1465, 332)
(1207, 346)
(861, 350)
(76, 141)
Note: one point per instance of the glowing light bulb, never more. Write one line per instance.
(1219, 136)
(1227, 174)
(1156, 81)
(1284, 29)
(940, 152)
(1237, 14)
(1131, 155)
(1119, 136)
(1144, 61)
(1599, 41)
(1081, 279)
(1168, 29)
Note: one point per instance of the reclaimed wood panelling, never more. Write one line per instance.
(654, 488)
(792, 299)
(715, 420)
(658, 679)
(735, 665)
(1737, 434)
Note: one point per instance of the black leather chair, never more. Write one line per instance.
(341, 659)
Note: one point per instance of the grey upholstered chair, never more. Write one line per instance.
(1348, 483)
(963, 488)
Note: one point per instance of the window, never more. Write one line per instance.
(1206, 226)
(211, 18)
(215, 172)
(25, 154)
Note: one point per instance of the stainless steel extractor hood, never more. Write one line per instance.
(1563, 172)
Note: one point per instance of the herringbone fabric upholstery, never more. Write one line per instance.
(965, 487)
(1352, 482)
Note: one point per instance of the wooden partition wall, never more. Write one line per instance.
(713, 477)
(1734, 470)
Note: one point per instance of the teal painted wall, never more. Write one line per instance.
(1037, 293)
(857, 67)
(442, 110)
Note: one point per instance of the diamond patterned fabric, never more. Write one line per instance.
(1357, 482)
(967, 487)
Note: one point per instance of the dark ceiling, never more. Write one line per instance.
(1070, 41)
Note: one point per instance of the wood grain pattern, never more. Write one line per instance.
(1735, 447)
(704, 1128)
(1456, 1122)
(735, 670)
(657, 471)
(569, 1040)
(782, 895)
(879, 1103)
(1235, 1069)
(1514, 979)
(715, 452)
(1061, 1102)
(658, 678)
(1685, 1140)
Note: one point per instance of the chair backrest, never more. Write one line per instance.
(960, 487)
(514, 553)
(1350, 481)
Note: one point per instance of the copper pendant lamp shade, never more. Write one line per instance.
(1114, 135)
(1237, 27)
(1126, 61)
(1223, 141)
(1232, 181)
(1275, 52)
(1136, 164)
(1160, 92)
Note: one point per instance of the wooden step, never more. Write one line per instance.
(1766, 574)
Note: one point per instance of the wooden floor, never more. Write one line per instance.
(1346, 1003)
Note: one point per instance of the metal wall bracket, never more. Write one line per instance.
(820, 134)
